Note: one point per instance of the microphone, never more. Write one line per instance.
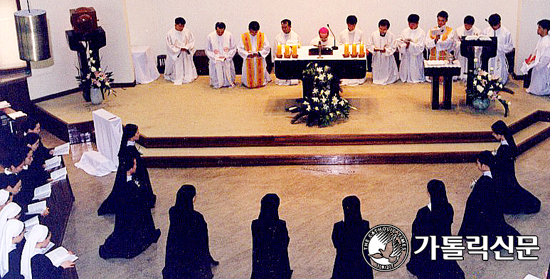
(334, 36)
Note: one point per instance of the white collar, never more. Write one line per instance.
(430, 206)
(131, 143)
(503, 142)
(7, 171)
(487, 173)
(25, 167)
(128, 178)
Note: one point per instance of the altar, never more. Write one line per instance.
(291, 68)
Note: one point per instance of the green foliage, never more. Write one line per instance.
(322, 104)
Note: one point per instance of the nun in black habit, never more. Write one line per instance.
(130, 135)
(514, 198)
(347, 237)
(483, 215)
(270, 242)
(434, 219)
(134, 227)
(187, 251)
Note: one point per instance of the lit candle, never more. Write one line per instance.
(294, 51)
(287, 51)
(361, 50)
(353, 50)
(279, 51)
(346, 50)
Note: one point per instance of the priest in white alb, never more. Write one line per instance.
(287, 37)
(381, 43)
(411, 50)
(351, 35)
(539, 62)
(468, 29)
(498, 65)
(220, 49)
(180, 45)
(440, 40)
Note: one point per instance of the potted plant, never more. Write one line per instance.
(96, 80)
(322, 104)
(486, 89)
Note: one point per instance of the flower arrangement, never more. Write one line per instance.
(486, 89)
(322, 104)
(95, 77)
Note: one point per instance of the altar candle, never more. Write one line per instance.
(279, 50)
(287, 51)
(294, 51)
(362, 49)
(346, 50)
(353, 50)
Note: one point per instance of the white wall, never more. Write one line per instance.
(145, 22)
(9, 51)
(529, 13)
(149, 20)
(58, 73)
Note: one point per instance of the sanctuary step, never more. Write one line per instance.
(334, 155)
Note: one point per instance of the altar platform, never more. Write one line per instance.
(194, 125)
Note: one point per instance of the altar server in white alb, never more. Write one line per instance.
(499, 64)
(411, 51)
(381, 43)
(468, 29)
(440, 39)
(254, 48)
(539, 61)
(180, 45)
(220, 49)
(351, 35)
(287, 37)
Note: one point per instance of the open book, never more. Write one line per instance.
(31, 223)
(61, 149)
(438, 31)
(52, 162)
(59, 174)
(17, 114)
(60, 255)
(36, 208)
(43, 191)
(4, 104)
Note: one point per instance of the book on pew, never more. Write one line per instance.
(61, 149)
(17, 114)
(36, 208)
(59, 174)
(4, 104)
(60, 255)
(52, 162)
(31, 223)
(43, 191)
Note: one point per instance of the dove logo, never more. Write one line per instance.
(385, 247)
